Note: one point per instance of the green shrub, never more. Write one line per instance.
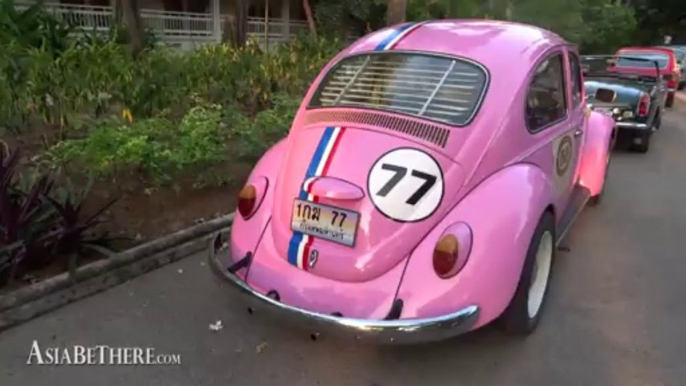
(157, 146)
(163, 112)
(268, 127)
(100, 79)
(160, 147)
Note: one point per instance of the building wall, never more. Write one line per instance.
(255, 7)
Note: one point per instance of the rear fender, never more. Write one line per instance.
(502, 213)
(245, 234)
(595, 151)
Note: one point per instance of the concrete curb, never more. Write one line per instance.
(34, 300)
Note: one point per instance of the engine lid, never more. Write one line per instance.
(350, 203)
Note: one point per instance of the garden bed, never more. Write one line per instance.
(149, 145)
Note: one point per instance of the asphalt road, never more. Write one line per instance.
(616, 313)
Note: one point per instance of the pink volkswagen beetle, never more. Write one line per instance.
(428, 176)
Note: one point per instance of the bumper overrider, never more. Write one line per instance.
(397, 331)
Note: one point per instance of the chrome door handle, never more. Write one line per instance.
(578, 133)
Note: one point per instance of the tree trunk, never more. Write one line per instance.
(236, 22)
(309, 17)
(396, 12)
(117, 12)
(132, 19)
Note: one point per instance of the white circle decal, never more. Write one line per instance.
(406, 185)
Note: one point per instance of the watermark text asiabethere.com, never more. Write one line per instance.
(99, 355)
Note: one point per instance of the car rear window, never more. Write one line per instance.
(439, 88)
(662, 59)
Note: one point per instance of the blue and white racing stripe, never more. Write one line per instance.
(299, 243)
(397, 35)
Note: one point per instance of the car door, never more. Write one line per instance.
(548, 119)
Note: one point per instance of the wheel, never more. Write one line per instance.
(670, 100)
(644, 145)
(681, 86)
(524, 311)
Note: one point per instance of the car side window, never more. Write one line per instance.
(546, 97)
(575, 72)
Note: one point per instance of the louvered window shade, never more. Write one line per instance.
(433, 87)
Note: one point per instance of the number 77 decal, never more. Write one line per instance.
(400, 172)
(406, 184)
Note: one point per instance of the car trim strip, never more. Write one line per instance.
(300, 244)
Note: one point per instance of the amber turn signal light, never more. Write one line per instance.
(247, 198)
(445, 256)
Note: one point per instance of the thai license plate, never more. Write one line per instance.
(325, 222)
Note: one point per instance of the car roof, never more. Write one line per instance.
(679, 51)
(663, 50)
(498, 45)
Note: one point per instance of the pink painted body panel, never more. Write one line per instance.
(594, 161)
(245, 235)
(491, 273)
(499, 178)
(381, 243)
(366, 300)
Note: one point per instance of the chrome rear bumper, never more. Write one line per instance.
(632, 125)
(399, 331)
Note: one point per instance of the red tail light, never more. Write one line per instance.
(445, 255)
(644, 105)
(247, 198)
(672, 83)
(452, 250)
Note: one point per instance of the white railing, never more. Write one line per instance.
(171, 26)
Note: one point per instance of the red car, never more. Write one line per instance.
(667, 62)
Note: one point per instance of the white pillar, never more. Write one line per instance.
(216, 21)
(286, 19)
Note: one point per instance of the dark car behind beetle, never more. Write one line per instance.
(635, 100)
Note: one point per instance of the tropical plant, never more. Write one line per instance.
(33, 27)
(36, 227)
(73, 235)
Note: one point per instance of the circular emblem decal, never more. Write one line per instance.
(406, 185)
(564, 155)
